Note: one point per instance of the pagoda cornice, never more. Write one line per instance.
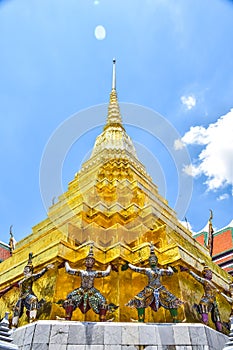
(110, 154)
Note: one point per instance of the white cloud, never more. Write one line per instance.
(191, 170)
(223, 196)
(197, 135)
(188, 101)
(215, 160)
(178, 144)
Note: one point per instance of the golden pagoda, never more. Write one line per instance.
(113, 204)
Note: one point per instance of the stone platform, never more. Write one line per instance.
(72, 335)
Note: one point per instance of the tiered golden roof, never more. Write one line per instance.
(112, 202)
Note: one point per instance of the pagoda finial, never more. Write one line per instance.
(114, 74)
(114, 137)
(114, 115)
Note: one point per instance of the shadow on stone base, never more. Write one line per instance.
(72, 335)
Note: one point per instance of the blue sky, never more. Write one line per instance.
(173, 57)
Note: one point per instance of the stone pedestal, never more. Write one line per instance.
(72, 335)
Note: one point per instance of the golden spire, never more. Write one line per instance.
(114, 137)
(114, 115)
